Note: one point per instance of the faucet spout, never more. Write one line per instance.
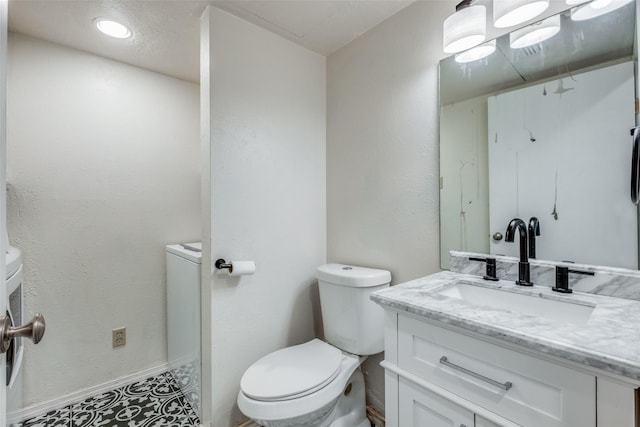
(518, 224)
(534, 230)
(523, 265)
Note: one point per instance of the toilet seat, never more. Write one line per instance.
(292, 372)
(302, 405)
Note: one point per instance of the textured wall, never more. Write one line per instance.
(267, 147)
(382, 148)
(382, 151)
(103, 171)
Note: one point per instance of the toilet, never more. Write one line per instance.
(317, 383)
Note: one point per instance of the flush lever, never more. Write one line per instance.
(34, 331)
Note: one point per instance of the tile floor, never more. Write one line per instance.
(154, 402)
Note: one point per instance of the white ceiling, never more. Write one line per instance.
(166, 32)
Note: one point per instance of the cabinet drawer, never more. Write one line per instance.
(540, 393)
(419, 408)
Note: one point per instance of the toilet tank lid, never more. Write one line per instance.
(349, 275)
(190, 251)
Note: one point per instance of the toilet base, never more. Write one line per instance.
(351, 410)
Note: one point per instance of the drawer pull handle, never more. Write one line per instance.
(504, 386)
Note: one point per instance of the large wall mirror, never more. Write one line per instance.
(544, 131)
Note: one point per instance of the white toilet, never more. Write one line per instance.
(319, 384)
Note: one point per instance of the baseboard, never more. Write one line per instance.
(80, 395)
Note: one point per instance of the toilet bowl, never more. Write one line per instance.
(302, 385)
(317, 383)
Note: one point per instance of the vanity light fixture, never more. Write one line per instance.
(476, 53)
(507, 13)
(112, 28)
(596, 8)
(466, 28)
(535, 33)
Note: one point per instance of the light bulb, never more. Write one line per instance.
(596, 8)
(476, 53)
(507, 13)
(535, 33)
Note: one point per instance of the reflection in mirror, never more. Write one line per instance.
(543, 131)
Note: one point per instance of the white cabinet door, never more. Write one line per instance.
(483, 422)
(616, 404)
(419, 408)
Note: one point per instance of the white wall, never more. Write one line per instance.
(103, 171)
(382, 148)
(382, 151)
(267, 147)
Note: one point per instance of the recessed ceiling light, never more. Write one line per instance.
(113, 28)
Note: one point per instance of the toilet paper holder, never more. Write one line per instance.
(221, 264)
(236, 268)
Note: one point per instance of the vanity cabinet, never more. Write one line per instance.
(444, 376)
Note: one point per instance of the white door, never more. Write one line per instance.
(7, 330)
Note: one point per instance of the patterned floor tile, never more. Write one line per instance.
(155, 401)
(187, 378)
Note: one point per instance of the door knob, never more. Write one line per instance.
(34, 331)
(497, 236)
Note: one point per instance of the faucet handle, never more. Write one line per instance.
(490, 273)
(562, 278)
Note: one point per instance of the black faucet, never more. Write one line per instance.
(534, 230)
(523, 265)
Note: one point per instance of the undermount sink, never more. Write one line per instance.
(534, 303)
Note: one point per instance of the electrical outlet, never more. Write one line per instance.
(118, 337)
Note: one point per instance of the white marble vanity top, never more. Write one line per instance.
(609, 340)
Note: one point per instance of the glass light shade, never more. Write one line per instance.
(113, 28)
(535, 33)
(475, 53)
(599, 4)
(507, 13)
(464, 29)
(596, 8)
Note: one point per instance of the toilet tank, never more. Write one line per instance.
(352, 322)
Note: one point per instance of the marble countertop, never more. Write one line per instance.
(609, 340)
